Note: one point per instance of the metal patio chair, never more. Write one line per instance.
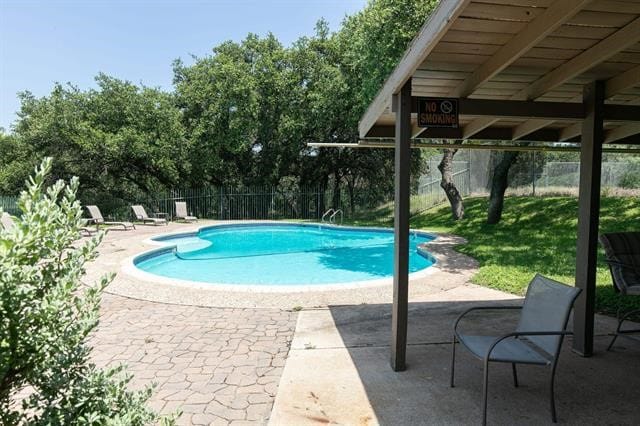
(622, 250)
(97, 219)
(537, 339)
(141, 214)
(181, 212)
(6, 221)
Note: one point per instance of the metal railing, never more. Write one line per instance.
(328, 212)
(332, 218)
(9, 204)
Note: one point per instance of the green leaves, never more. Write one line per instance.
(46, 315)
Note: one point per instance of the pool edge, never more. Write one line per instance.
(128, 265)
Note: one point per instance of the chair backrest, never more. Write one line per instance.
(140, 212)
(7, 221)
(623, 250)
(94, 211)
(547, 306)
(181, 209)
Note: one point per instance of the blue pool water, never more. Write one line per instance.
(281, 254)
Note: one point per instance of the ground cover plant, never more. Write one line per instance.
(46, 314)
(536, 234)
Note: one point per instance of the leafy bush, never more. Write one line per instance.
(46, 314)
(631, 179)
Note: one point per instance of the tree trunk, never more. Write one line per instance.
(351, 187)
(499, 185)
(446, 183)
(336, 191)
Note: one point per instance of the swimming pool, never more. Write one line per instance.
(268, 254)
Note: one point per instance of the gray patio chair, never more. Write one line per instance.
(7, 221)
(97, 219)
(141, 214)
(181, 212)
(622, 250)
(537, 339)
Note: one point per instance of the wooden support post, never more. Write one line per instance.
(401, 229)
(588, 216)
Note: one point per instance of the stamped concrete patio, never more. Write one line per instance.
(224, 357)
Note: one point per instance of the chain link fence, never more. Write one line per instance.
(532, 174)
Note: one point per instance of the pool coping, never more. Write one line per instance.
(128, 264)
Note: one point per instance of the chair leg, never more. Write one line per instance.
(515, 374)
(485, 391)
(615, 336)
(554, 418)
(453, 360)
(621, 320)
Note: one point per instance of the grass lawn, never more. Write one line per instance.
(535, 235)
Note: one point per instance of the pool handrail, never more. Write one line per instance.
(326, 213)
(332, 218)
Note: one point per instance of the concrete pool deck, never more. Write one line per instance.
(451, 271)
(351, 381)
(228, 357)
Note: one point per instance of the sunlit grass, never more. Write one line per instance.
(535, 235)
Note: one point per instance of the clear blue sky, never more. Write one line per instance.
(47, 41)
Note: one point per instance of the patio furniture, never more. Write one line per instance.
(97, 219)
(622, 250)
(181, 212)
(537, 339)
(141, 214)
(6, 221)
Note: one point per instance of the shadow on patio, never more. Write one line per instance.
(338, 372)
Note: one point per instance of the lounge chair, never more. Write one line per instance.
(181, 212)
(622, 250)
(536, 340)
(7, 221)
(97, 219)
(141, 214)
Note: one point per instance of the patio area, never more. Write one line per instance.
(351, 382)
(239, 363)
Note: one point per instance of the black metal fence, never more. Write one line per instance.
(266, 203)
(9, 204)
(233, 203)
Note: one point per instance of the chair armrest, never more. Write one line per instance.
(524, 333)
(482, 308)
(161, 214)
(623, 265)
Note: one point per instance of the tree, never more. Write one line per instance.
(120, 139)
(447, 184)
(16, 159)
(499, 184)
(46, 315)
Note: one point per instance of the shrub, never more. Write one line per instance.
(631, 179)
(46, 314)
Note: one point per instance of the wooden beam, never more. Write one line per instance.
(616, 112)
(384, 144)
(570, 132)
(622, 82)
(381, 131)
(528, 127)
(521, 109)
(432, 31)
(613, 86)
(400, 308)
(476, 126)
(515, 109)
(543, 25)
(588, 217)
(622, 132)
(618, 41)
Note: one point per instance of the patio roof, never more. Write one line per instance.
(532, 70)
(519, 68)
